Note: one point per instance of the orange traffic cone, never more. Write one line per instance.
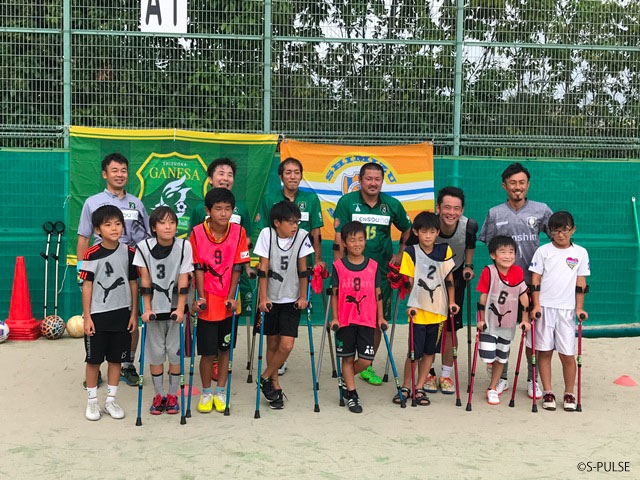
(21, 323)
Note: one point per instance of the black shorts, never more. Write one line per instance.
(212, 337)
(426, 339)
(112, 346)
(459, 285)
(355, 338)
(283, 319)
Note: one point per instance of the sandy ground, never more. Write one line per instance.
(45, 433)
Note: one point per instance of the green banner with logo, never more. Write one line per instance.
(166, 167)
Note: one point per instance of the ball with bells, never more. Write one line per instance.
(75, 326)
(4, 332)
(52, 327)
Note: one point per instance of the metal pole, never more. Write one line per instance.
(266, 110)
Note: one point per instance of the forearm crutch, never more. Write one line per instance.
(455, 357)
(325, 327)
(467, 279)
(192, 358)
(473, 371)
(412, 358)
(512, 402)
(339, 366)
(260, 342)
(48, 227)
(143, 338)
(59, 226)
(183, 419)
(534, 405)
(234, 318)
(255, 315)
(316, 407)
(385, 378)
(403, 403)
(579, 402)
(248, 323)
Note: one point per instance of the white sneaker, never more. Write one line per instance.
(113, 409)
(93, 412)
(530, 390)
(283, 368)
(502, 386)
(493, 398)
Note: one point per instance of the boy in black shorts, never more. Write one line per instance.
(109, 307)
(282, 282)
(356, 306)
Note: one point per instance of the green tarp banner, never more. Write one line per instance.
(166, 167)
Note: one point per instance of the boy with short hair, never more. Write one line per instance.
(219, 253)
(164, 263)
(428, 266)
(502, 291)
(558, 278)
(356, 307)
(282, 281)
(109, 307)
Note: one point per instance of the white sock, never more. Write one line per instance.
(92, 395)
(446, 371)
(112, 390)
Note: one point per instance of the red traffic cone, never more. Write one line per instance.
(21, 323)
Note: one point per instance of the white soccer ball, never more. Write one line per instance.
(75, 326)
(4, 332)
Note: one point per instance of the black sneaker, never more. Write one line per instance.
(129, 375)
(278, 403)
(353, 402)
(266, 385)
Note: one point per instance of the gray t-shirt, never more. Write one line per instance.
(136, 220)
(523, 225)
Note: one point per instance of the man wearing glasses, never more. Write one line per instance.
(523, 220)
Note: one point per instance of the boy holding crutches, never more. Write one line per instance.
(558, 284)
(282, 249)
(356, 307)
(219, 253)
(502, 292)
(164, 263)
(428, 266)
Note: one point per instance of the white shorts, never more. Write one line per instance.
(162, 342)
(555, 330)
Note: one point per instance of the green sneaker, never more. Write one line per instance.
(371, 376)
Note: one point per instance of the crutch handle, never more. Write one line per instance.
(174, 316)
(335, 328)
(582, 316)
(152, 317)
(228, 305)
(252, 275)
(384, 327)
(59, 227)
(48, 227)
(467, 276)
(202, 307)
(412, 313)
(538, 314)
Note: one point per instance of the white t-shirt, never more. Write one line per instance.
(262, 250)
(560, 268)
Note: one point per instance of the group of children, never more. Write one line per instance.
(216, 253)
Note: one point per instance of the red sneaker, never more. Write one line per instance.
(158, 405)
(172, 405)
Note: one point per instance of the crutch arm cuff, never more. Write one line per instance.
(584, 290)
(480, 306)
(535, 288)
(146, 291)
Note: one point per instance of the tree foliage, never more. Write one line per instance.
(544, 78)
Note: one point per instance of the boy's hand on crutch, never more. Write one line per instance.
(301, 303)
(453, 308)
(147, 315)
(265, 305)
(177, 316)
(480, 325)
(334, 325)
(231, 304)
(199, 305)
(525, 325)
(383, 324)
(581, 314)
(535, 313)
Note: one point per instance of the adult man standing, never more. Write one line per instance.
(460, 233)
(221, 174)
(523, 220)
(290, 172)
(115, 171)
(377, 211)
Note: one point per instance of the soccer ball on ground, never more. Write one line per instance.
(4, 332)
(75, 326)
(52, 327)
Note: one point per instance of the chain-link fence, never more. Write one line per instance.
(485, 78)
